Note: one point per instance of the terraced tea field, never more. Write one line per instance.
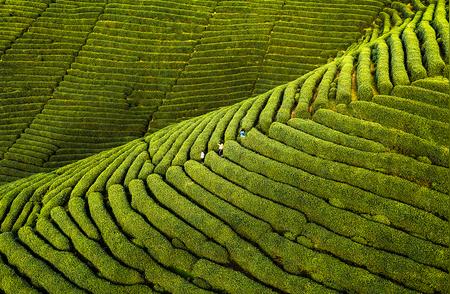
(324, 126)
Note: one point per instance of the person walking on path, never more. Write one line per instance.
(202, 156)
(220, 149)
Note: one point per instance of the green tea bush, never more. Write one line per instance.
(251, 117)
(420, 94)
(413, 55)
(72, 267)
(438, 85)
(398, 70)
(307, 92)
(270, 110)
(382, 78)
(359, 177)
(354, 225)
(431, 130)
(49, 231)
(78, 211)
(431, 51)
(241, 252)
(322, 98)
(289, 99)
(120, 246)
(387, 163)
(280, 218)
(328, 134)
(365, 203)
(221, 126)
(119, 174)
(173, 226)
(40, 273)
(232, 128)
(133, 224)
(414, 107)
(440, 23)
(222, 278)
(170, 139)
(135, 167)
(201, 142)
(364, 76)
(415, 275)
(12, 283)
(102, 178)
(402, 142)
(109, 267)
(344, 85)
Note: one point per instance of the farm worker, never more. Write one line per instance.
(220, 148)
(242, 133)
(202, 156)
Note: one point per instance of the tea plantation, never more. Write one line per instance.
(324, 126)
(79, 77)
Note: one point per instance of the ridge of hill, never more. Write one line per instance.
(337, 183)
(80, 77)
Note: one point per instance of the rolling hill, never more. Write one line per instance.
(334, 182)
(80, 77)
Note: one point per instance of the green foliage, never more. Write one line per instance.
(48, 230)
(280, 218)
(413, 55)
(382, 78)
(72, 267)
(349, 200)
(363, 75)
(251, 117)
(414, 107)
(202, 141)
(241, 252)
(92, 251)
(434, 84)
(40, 273)
(135, 167)
(398, 70)
(429, 96)
(412, 274)
(367, 204)
(328, 134)
(344, 89)
(432, 56)
(307, 92)
(387, 163)
(322, 99)
(172, 226)
(290, 96)
(351, 224)
(11, 282)
(78, 212)
(430, 130)
(397, 140)
(133, 224)
(219, 132)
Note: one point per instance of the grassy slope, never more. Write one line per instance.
(339, 185)
(79, 77)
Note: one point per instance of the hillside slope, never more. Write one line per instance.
(334, 182)
(79, 77)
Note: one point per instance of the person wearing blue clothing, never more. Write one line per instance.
(242, 133)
